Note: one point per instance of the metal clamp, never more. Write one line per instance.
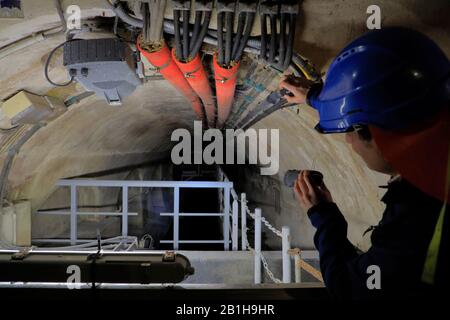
(94, 256)
(22, 254)
(246, 6)
(181, 5)
(225, 79)
(291, 7)
(203, 5)
(169, 256)
(226, 6)
(269, 7)
(189, 74)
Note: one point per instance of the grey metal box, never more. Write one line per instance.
(105, 66)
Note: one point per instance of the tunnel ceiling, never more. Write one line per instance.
(92, 136)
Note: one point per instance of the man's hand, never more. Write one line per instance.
(298, 87)
(308, 194)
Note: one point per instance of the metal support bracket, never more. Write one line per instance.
(22, 254)
(181, 5)
(246, 6)
(291, 7)
(226, 6)
(204, 5)
(169, 256)
(269, 7)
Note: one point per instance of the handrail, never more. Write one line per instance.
(232, 203)
(143, 184)
(176, 214)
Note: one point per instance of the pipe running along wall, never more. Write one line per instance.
(162, 59)
(153, 47)
(277, 47)
(229, 51)
(230, 46)
(225, 87)
(186, 52)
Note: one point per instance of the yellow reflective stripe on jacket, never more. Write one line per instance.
(429, 268)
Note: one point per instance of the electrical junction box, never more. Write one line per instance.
(105, 66)
(28, 108)
(5, 122)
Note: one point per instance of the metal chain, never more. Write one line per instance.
(266, 223)
(263, 259)
(269, 273)
(265, 264)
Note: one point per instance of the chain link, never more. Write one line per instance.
(263, 220)
(265, 264)
(263, 259)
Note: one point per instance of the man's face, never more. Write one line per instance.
(369, 152)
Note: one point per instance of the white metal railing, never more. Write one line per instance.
(284, 234)
(229, 199)
(286, 252)
(74, 184)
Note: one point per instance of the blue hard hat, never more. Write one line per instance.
(389, 78)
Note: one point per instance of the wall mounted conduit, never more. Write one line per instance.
(226, 61)
(186, 52)
(153, 47)
(229, 51)
(277, 46)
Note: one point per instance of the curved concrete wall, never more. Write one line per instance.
(94, 137)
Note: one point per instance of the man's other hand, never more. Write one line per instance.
(298, 87)
(308, 194)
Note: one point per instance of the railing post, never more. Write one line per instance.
(124, 211)
(285, 247)
(234, 229)
(221, 196)
(298, 269)
(244, 221)
(257, 246)
(176, 217)
(226, 220)
(73, 214)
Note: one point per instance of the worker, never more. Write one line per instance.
(389, 92)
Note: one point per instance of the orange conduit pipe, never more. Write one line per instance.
(162, 59)
(196, 76)
(225, 86)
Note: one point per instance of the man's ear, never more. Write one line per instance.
(364, 133)
(349, 137)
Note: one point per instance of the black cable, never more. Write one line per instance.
(283, 23)
(273, 37)
(176, 24)
(290, 44)
(60, 10)
(263, 52)
(47, 63)
(116, 23)
(203, 32)
(147, 22)
(185, 34)
(195, 32)
(272, 103)
(228, 37)
(220, 38)
(250, 18)
(239, 34)
(278, 106)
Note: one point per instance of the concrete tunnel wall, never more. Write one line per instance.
(93, 137)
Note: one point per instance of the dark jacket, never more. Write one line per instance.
(399, 246)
